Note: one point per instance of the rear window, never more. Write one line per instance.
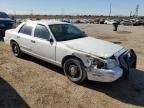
(26, 29)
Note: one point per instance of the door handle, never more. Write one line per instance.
(33, 41)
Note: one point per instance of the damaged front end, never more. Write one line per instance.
(109, 69)
(104, 70)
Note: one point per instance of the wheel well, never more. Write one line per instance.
(69, 57)
(12, 41)
(15, 42)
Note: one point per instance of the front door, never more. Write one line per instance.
(41, 46)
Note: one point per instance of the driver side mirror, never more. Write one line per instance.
(51, 40)
(84, 33)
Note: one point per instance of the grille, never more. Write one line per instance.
(128, 60)
(123, 61)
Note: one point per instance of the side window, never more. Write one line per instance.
(26, 29)
(41, 32)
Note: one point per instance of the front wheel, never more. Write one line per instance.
(74, 70)
(16, 49)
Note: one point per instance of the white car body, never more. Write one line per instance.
(83, 48)
(110, 22)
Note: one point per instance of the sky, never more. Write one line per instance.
(71, 7)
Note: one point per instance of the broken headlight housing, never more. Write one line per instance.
(111, 63)
(91, 61)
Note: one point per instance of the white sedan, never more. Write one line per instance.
(110, 22)
(64, 45)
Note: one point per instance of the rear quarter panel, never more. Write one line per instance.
(10, 35)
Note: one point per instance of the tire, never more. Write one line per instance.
(74, 70)
(16, 49)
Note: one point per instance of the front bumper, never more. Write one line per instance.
(127, 60)
(104, 75)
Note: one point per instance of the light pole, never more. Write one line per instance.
(110, 9)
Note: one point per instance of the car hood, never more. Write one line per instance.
(93, 46)
(3, 20)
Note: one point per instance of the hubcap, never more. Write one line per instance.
(15, 49)
(73, 70)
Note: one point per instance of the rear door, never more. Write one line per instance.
(41, 46)
(24, 37)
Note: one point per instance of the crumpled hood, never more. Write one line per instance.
(94, 46)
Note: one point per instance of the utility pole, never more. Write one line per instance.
(62, 12)
(14, 12)
(31, 12)
(110, 9)
(130, 14)
(136, 10)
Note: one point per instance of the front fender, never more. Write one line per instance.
(83, 58)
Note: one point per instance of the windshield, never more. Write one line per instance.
(64, 32)
(3, 15)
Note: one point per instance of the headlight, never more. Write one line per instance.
(111, 63)
(95, 62)
(89, 60)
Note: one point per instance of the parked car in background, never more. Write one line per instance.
(64, 45)
(142, 22)
(109, 22)
(112, 21)
(66, 20)
(5, 23)
(126, 23)
(136, 22)
(101, 21)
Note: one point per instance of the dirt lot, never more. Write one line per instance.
(29, 82)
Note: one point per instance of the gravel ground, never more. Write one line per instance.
(30, 82)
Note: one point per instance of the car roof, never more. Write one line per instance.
(2, 12)
(47, 22)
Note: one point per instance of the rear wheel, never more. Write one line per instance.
(74, 70)
(16, 49)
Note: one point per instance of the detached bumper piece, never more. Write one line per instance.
(127, 61)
